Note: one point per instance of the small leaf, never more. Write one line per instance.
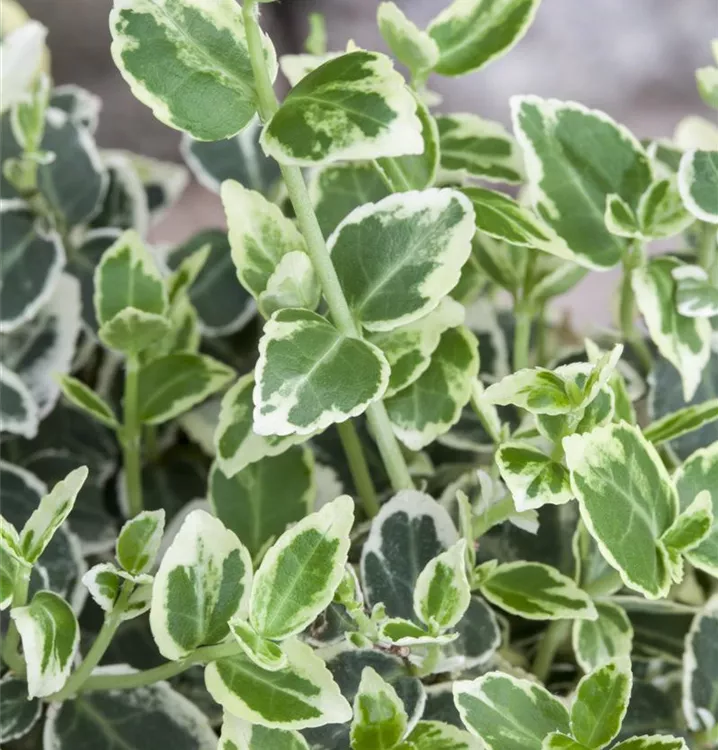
(12, 566)
(409, 45)
(294, 283)
(104, 582)
(380, 720)
(301, 571)
(692, 526)
(539, 391)
(173, 384)
(559, 741)
(238, 734)
(700, 670)
(309, 375)
(600, 704)
(139, 541)
(50, 639)
(508, 713)
(698, 184)
(353, 107)
(661, 212)
(597, 642)
(264, 653)
(18, 712)
(682, 422)
(302, 694)
(620, 218)
(77, 393)
(405, 633)
(132, 331)
(203, 580)
(54, 508)
(536, 592)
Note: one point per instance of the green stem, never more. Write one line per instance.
(163, 672)
(316, 247)
(101, 644)
(555, 635)
(487, 414)
(522, 336)
(708, 252)
(10, 650)
(132, 439)
(384, 176)
(396, 176)
(627, 313)
(358, 467)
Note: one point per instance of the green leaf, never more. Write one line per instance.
(18, 410)
(260, 501)
(132, 331)
(189, 62)
(472, 33)
(436, 735)
(104, 581)
(50, 638)
(316, 41)
(264, 653)
(173, 384)
(575, 158)
(597, 642)
(696, 296)
(661, 212)
(238, 734)
(380, 720)
(682, 422)
(600, 704)
(302, 694)
(622, 498)
(12, 566)
(294, 283)
(539, 391)
(442, 593)
(77, 393)
(698, 184)
(309, 375)
(397, 258)
(408, 349)
(654, 742)
(532, 477)
(559, 741)
(99, 719)
(700, 671)
(417, 415)
(139, 541)
(472, 147)
(51, 513)
(260, 236)
(203, 580)
(698, 474)
(18, 712)
(508, 713)
(620, 218)
(353, 107)
(692, 526)
(536, 592)
(301, 571)
(397, 632)
(409, 45)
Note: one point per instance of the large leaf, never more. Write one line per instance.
(18, 712)
(700, 671)
(507, 713)
(50, 639)
(575, 158)
(188, 61)
(203, 580)
(624, 492)
(471, 33)
(355, 106)
(596, 642)
(698, 184)
(301, 571)
(379, 721)
(309, 375)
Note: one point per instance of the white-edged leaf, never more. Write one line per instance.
(50, 638)
(681, 422)
(398, 632)
(652, 742)
(596, 642)
(355, 106)
(696, 296)
(81, 105)
(238, 734)
(104, 581)
(698, 184)
(203, 580)
(22, 56)
(431, 735)
(692, 526)
(309, 375)
(12, 565)
(409, 44)
(264, 653)
(139, 541)
(296, 67)
(700, 671)
(379, 721)
(620, 218)
(300, 572)
(293, 283)
(539, 391)
(18, 712)
(18, 411)
(80, 395)
(132, 331)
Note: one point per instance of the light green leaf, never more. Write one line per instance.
(536, 592)
(237, 444)
(301, 695)
(188, 61)
(653, 742)
(173, 384)
(575, 158)
(18, 713)
(132, 331)
(12, 566)
(139, 541)
(309, 375)
(77, 393)
(50, 638)
(684, 342)
(472, 33)
(301, 571)
(532, 477)
(18, 410)
(264, 653)
(559, 741)
(442, 593)
(698, 474)
(409, 45)
(397, 258)
(238, 734)
(355, 106)
(472, 147)
(260, 235)
(408, 349)
(203, 580)
(104, 582)
(539, 391)
(624, 492)
(600, 704)
(436, 735)
(294, 283)
(700, 671)
(661, 212)
(692, 526)
(508, 713)
(696, 296)
(620, 218)
(380, 720)
(698, 184)
(597, 642)
(396, 631)
(259, 502)
(682, 422)
(51, 513)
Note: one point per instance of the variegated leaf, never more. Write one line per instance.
(539, 391)
(133, 331)
(18, 712)
(22, 56)
(653, 742)
(682, 422)
(597, 642)
(293, 283)
(264, 653)
(139, 541)
(696, 296)
(18, 410)
(238, 734)
(692, 526)
(380, 720)
(432, 735)
(104, 581)
(698, 184)
(700, 671)
(12, 565)
(397, 632)
(83, 397)
(409, 44)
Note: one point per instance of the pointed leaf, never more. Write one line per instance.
(409, 45)
(620, 218)
(380, 720)
(77, 393)
(682, 422)
(692, 526)
(698, 184)
(597, 642)
(139, 541)
(264, 653)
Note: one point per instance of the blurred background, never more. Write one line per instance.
(634, 59)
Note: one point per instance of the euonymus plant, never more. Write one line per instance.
(314, 483)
